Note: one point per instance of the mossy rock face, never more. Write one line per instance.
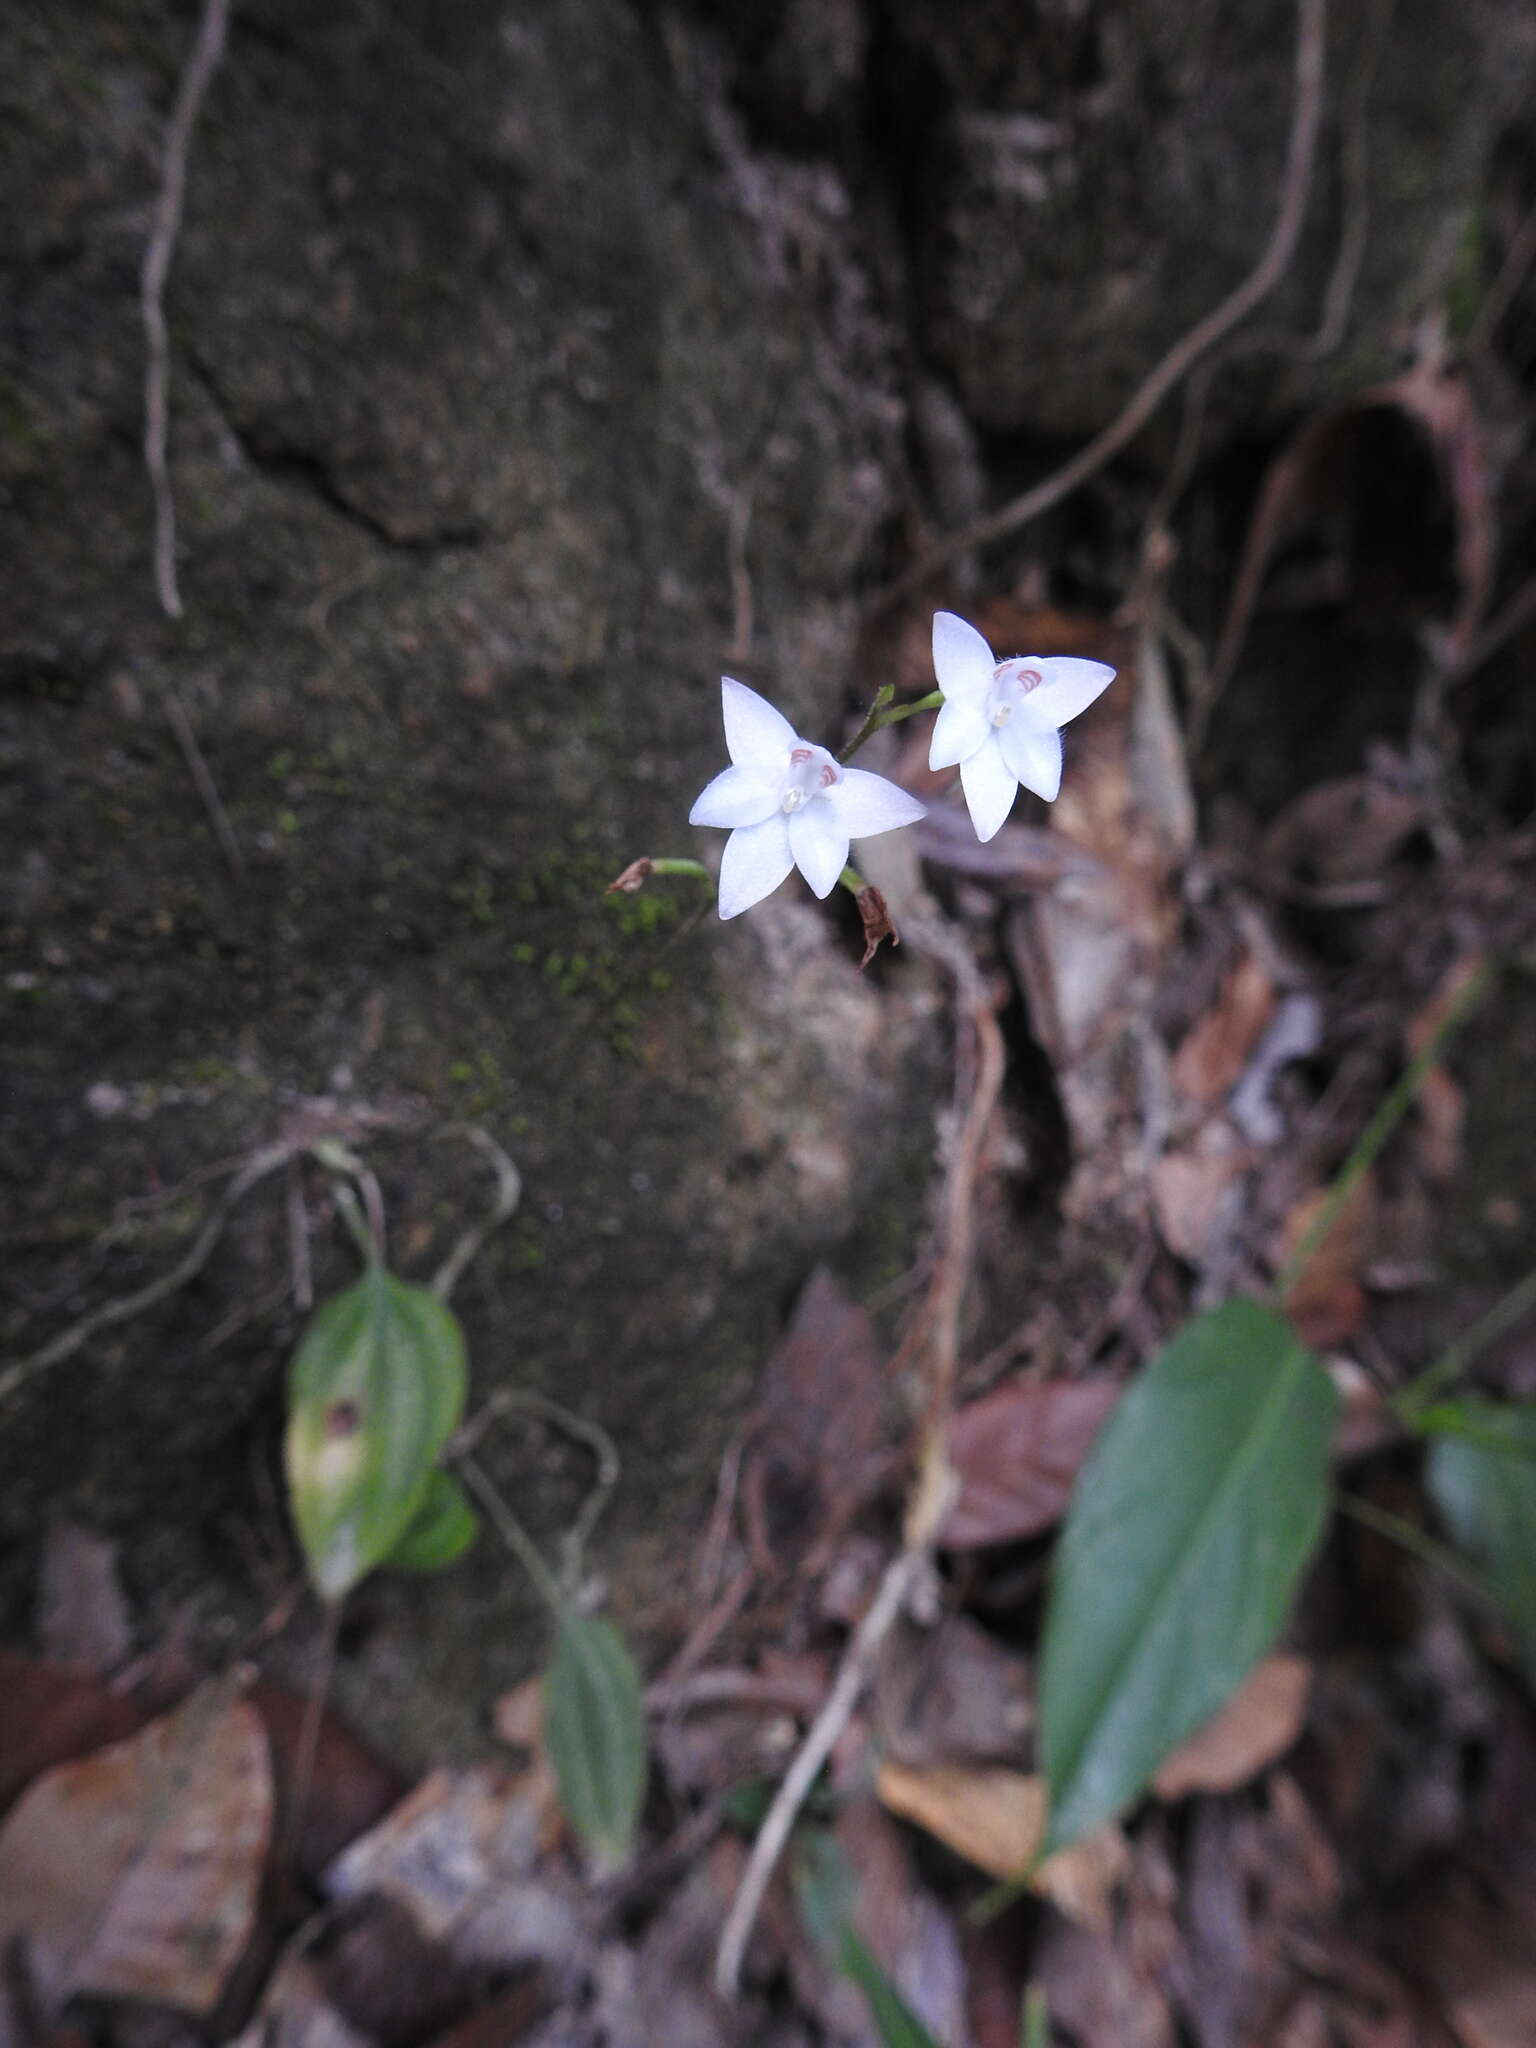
(480, 345)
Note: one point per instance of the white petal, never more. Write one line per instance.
(989, 788)
(756, 736)
(735, 797)
(1033, 754)
(962, 660)
(864, 804)
(1067, 686)
(820, 846)
(958, 731)
(755, 861)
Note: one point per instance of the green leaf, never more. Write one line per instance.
(594, 1730)
(1035, 2019)
(1190, 1523)
(824, 1885)
(443, 1528)
(895, 2022)
(1482, 1478)
(375, 1390)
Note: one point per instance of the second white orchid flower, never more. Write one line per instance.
(788, 803)
(1001, 720)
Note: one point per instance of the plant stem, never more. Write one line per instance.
(513, 1534)
(1411, 1401)
(1376, 1133)
(679, 866)
(883, 713)
(1412, 1539)
(852, 880)
(350, 1211)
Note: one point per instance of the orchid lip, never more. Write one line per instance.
(812, 771)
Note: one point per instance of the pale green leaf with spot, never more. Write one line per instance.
(375, 1390)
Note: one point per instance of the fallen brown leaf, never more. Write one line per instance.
(135, 1872)
(996, 1820)
(953, 1694)
(458, 1857)
(497, 2025)
(1480, 1957)
(1190, 1191)
(296, 2009)
(1258, 1724)
(1097, 1993)
(347, 1787)
(1341, 833)
(1016, 1452)
(1210, 1062)
(49, 1716)
(1326, 1301)
(993, 1818)
(813, 1447)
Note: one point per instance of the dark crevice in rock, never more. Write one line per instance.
(304, 469)
(1032, 1096)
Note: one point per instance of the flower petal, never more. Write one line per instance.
(864, 804)
(756, 736)
(989, 788)
(1067, 686)
(735, 797)
(962, 660)
(1032, 753)
(755, 861)
(959, 730)
(820, 846)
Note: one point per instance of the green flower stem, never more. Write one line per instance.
(513, 1534)
(1376, 1133)
(852, 880)
(883, 713)
(1410, 1402)
(350, 1211)
(671, 866)
(1409, 1537)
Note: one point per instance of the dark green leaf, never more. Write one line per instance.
(1035, 2019)
(895, 2022)
(824, 1885)
(443, 1528)
(594, 1730)
(375, 1391)
(1482, 1476)
(1189, 1526)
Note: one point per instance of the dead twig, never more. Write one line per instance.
(202, 781)
(509, 1192)
(1500, 296)
(573, 1542)
(298, 1242)
(1511, 618)
(853, 1673)
(1296, 184)
(105, 1317)
(195, 80)
(1354, 170)
(935, 1341)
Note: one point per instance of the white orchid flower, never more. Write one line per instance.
(1002, 720)
(788, 804)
